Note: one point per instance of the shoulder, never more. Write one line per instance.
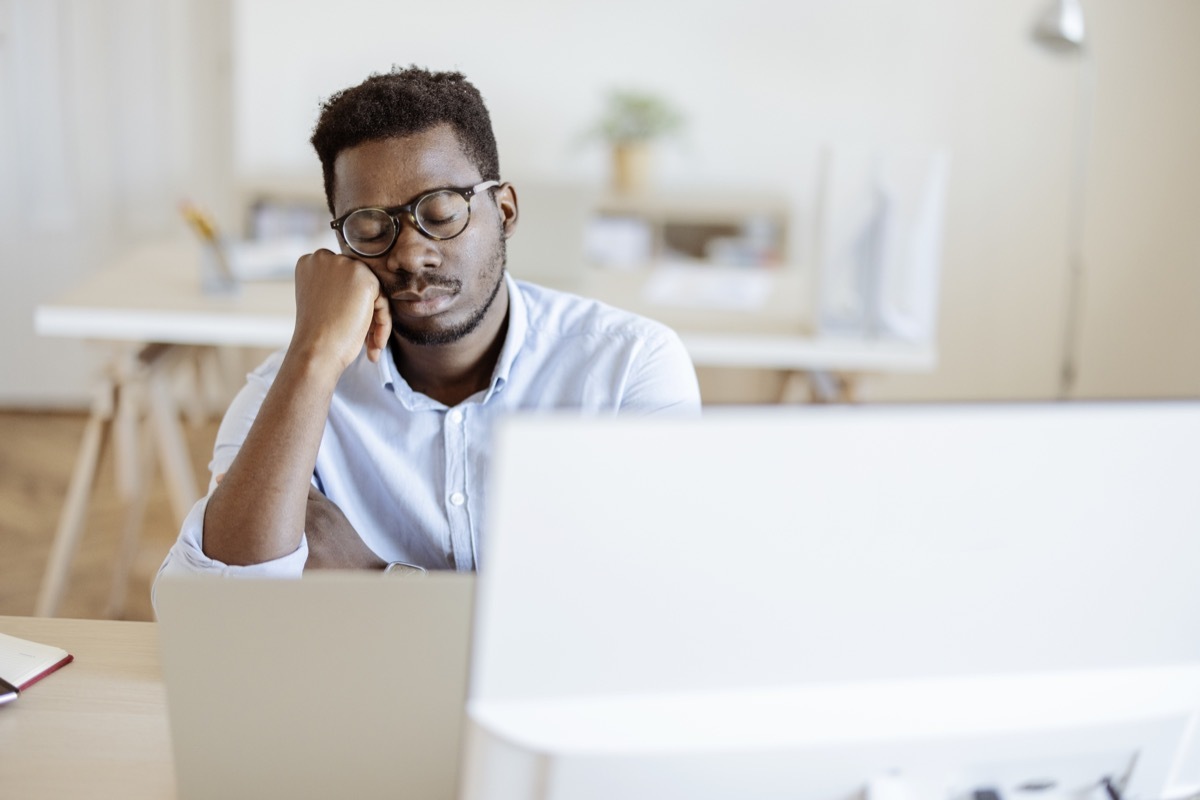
(553, 314)
(603, 356)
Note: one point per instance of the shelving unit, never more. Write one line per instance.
(732, 228)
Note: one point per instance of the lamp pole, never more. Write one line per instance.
(1061, 29)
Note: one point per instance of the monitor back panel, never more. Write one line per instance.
(776, 547)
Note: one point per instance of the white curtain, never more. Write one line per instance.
(881, 243)
(100, 126)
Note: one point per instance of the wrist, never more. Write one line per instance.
(403, 569)
(314, 365)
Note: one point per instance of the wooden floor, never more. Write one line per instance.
(37, 454)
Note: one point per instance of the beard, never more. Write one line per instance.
(467, 326)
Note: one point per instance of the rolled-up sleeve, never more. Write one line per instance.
(187, 555)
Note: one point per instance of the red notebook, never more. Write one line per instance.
(24, 663)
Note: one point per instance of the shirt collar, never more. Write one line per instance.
(518, 326)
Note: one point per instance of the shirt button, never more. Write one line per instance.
(458, 498)
(456, 416)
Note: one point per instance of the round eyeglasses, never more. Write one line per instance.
(440, 214)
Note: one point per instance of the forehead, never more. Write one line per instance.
(390, 172)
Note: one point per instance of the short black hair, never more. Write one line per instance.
(403, 102)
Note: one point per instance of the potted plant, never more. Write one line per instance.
(630, 123)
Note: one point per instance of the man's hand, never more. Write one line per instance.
(339, 307)
(332, 541)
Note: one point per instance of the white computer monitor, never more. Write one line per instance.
(917, 601)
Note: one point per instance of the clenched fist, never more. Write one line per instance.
(339, 307)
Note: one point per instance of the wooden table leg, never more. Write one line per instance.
(795, 388)
(134, 517)
(70, 523)
(134, 407)
(819, 386)
(848, 387)
(173, 451)
(159, 415)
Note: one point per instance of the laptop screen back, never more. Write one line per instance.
(338, 685)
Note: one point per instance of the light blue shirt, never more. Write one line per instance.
(410, 473)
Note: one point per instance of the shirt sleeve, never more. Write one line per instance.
(662, 379)
(187, 555)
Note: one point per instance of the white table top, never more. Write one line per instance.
(152, 294)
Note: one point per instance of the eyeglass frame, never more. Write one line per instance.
(409, 211)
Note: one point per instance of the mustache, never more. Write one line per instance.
(404, 281)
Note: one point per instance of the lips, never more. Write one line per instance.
(424, 301)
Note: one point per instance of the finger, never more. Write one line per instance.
(383, 322)
(381, 328)
(374, 348)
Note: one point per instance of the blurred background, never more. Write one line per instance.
(1052, 251)
(113, 111)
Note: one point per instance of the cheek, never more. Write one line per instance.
(484, 251)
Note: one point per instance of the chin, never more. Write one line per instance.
(436, 335)
(441, 331)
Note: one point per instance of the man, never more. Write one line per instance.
(366, 442)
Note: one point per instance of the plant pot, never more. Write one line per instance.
(631, 166)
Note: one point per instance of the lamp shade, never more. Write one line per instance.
(1062, 24)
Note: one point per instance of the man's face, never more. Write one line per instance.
(439, 291)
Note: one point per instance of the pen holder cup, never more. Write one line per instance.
(216, 275)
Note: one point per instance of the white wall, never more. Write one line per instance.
(1142, 236)
(764, 84)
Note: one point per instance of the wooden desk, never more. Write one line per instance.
(95, 729)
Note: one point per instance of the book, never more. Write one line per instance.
(24, 663)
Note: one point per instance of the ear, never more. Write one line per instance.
(506, 201)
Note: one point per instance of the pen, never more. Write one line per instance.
(206, 228)
(8, 692)
(200, 221)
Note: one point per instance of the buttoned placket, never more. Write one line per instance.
(454, 438)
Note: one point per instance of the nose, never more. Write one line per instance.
(413, 251)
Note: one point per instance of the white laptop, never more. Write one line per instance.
(337, 685)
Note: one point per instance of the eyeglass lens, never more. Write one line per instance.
(441, 215)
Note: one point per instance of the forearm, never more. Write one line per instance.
(257, 513)
(332, 541)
